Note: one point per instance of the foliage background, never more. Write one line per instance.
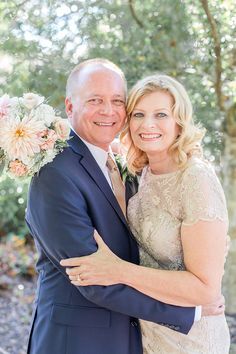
(41, 41)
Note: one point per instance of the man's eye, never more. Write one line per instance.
(119, 102)
(95, 100)
(138, 115)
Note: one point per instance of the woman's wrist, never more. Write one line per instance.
(122, 271)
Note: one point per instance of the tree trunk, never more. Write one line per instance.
(229, 172)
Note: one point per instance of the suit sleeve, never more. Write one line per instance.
(59, 219)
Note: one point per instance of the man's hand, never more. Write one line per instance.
(214, 309)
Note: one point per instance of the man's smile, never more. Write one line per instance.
(105, 124)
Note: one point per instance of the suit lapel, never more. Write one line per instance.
(90, 165)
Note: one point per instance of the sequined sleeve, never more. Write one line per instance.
(202, 195)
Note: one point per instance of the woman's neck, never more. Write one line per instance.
(162, 165)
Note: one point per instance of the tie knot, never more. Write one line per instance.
(111, 163)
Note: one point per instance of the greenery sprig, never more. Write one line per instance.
(123, 168)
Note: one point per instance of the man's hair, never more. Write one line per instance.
(73, 77)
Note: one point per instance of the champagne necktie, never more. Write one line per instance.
(117, 184)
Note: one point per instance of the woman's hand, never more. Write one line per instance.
(100, 268)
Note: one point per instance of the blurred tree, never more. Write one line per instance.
(222, 80)
(12, 207)
(42, 40)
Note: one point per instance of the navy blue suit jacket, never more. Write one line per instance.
(67, 201)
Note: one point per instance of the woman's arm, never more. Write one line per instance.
(204, 245)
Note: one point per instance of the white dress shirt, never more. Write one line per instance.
(100, 156)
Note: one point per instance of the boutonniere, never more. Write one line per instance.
(122, 166)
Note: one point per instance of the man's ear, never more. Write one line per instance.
(69, 107)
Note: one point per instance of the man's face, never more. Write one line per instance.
(97, 111)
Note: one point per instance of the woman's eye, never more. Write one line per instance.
(161, 115)
(138, 115)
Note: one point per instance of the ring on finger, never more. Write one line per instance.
(79, 277)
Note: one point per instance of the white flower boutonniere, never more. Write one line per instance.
(124, 172)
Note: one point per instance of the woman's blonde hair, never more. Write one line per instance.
(189, 139)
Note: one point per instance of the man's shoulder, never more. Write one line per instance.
(63, 164)
(65, 158)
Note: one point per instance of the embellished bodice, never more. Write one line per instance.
(166, 202)
(163, 204)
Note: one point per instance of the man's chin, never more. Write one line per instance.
(105, 143)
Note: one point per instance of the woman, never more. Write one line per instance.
(178, 217)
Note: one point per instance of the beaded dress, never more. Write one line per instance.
(156, 213)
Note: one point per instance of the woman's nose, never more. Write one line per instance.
(148, 122)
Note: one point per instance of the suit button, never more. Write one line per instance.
(134, 323)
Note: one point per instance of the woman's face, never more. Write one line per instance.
(152, 125)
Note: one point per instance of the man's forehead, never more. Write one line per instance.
(98, 80)
(98, 70)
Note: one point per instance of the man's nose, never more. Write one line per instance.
(107, 108)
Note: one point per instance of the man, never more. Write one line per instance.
(70, 198)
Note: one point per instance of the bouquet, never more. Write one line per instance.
(31, 134)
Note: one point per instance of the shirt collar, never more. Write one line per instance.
(99, 154)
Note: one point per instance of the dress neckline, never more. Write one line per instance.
(192, 160)
(162, 175)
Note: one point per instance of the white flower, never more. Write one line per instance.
(31, 100)
(4, 106)
(15, 108)
(31, 134)
(49, 156)
(20, 139)
(44, 113)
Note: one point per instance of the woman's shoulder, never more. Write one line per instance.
(197, 167)
(202, 193)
